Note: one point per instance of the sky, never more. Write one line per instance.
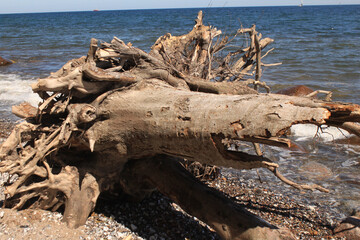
(27, 6)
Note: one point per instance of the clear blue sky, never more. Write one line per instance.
(25, 6)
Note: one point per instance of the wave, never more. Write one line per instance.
(305, 132)
(15, 89)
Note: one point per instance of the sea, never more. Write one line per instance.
(318, 46)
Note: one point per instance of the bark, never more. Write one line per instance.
(114, 121)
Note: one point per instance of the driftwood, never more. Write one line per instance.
(123, 120)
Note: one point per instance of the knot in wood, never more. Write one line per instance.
(81, 113)
(87, 114)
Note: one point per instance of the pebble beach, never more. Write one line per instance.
(158, 218)
(315, 45)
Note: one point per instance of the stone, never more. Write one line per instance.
(349, 228)
(4, 62)
(299, 90)
(133, 227)
(352, 179)
(314, 170)
(352, 140)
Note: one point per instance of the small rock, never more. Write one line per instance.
(349, 227)
(2, 214)
(154, 237)
(352, 179)
(4, 62)
(133, 227)
(300, 90)
(120, 235)
(311, 208)
(318, 171)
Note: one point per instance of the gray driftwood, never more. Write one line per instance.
(120, 119)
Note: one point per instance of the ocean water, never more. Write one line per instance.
(318, 46)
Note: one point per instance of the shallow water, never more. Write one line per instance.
(324, 162)
(318, 46)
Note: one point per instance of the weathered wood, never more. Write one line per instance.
(113, 120)
(227, 218)
(175, 121)
(24, 110)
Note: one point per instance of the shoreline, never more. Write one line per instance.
(159, 218)
(5, 129)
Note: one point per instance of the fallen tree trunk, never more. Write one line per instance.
(228, 219)
(116, 119)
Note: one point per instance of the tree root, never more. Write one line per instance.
(116, 118)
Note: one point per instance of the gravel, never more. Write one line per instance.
(158, 218)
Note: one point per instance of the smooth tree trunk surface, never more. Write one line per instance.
(123, 120)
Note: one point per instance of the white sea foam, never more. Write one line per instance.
(305, 132)
(15, 89)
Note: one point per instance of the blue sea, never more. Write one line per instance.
(319, 46)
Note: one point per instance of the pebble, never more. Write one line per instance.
(159, 218)
(133, 227)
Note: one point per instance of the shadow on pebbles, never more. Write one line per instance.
(158, 218)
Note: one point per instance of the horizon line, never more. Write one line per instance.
(138, 9)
